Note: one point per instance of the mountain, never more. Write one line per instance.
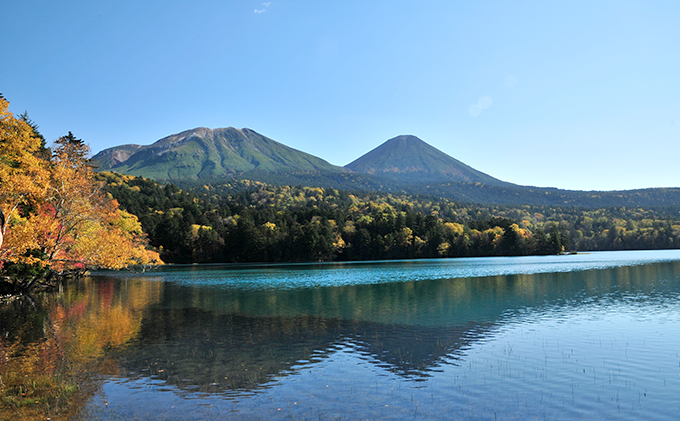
(408, 157)
(404, 164)
(203, 153)
(111, 157)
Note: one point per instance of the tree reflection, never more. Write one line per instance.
(230, 340)
(52, 347)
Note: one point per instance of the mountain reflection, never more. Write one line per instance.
(194, 349)
(232, 340)
(213, 339)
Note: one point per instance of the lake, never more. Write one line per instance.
(585, 336)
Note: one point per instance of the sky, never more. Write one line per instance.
(580, 95)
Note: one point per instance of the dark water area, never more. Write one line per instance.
(592, 336)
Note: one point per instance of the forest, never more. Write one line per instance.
(62, 217)
(251, 221)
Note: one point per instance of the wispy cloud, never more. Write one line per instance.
(266, 5)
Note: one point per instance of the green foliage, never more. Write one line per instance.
(36, 133)
(246, 221)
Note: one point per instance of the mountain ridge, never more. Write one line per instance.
(403, 164)
(204, 153)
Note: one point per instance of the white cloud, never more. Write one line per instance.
(266, 5)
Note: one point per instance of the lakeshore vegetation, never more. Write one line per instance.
(63, 217)
(57, 220)
(60, 217)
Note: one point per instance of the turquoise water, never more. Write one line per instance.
(587, 336)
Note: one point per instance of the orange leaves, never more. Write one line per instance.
(56, 213)
(23, 180)
(23, 175)
(93, 230)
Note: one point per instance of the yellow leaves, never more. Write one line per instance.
(23, 180)
(349, 228)
(21, 237)
(127, 221)
(113, 240)
(365, 220)
(56, 213)
(339, 243)
(405, 237)
(453, 228)
(105, 245)
(100, 247)
(195, 228)
(23, 174)
(521, 232)
(143, 256)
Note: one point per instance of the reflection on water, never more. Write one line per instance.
(179, 344)
(52, 345)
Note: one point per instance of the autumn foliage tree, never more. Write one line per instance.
(58, 219)
(23, 181)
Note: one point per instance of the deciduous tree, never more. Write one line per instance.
(58, 218)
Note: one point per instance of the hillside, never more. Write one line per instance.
(408, 157)
(248, 221)
(203, 153)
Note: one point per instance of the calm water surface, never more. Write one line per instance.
(588, 336)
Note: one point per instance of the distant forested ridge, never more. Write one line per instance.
(251, 221)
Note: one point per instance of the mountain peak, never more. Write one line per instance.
(404, 155)
(405, 138)
(204, 153)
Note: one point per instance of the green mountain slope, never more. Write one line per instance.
(203, 153)
(408, 157)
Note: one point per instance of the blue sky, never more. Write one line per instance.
(571, 94)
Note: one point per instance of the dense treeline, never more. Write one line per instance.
(247, 221)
